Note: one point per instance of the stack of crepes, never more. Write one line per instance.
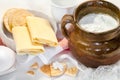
(30, 33)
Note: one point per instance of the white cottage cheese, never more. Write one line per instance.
(98, 23)
(57, 65)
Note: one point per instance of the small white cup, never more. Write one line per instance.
(61, 7)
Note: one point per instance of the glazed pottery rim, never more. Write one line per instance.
(76, 22)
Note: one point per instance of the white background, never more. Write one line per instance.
(39, 5)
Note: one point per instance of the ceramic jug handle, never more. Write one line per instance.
(65, 20)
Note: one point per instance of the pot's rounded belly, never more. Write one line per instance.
(92, 60)
(94, 54)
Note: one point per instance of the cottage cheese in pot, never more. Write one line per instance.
(98, 23)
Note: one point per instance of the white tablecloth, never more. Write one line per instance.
(44, 6)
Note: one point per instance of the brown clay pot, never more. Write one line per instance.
(93, 49)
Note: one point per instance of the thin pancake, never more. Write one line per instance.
(19, 18)
(6, 17)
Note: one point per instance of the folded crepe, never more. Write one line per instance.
(23, 41)
(41, 31)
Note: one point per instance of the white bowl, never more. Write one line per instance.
(61, 7)
(7, 37)
(7, 59)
